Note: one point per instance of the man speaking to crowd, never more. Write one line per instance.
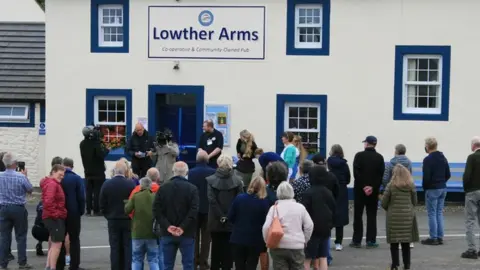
(211, 142)
(140, 148)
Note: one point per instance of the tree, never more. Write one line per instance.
(41, 3)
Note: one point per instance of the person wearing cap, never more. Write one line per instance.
(368, 169)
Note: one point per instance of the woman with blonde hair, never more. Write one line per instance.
(129, 173)
(247, 214)
(246, 148)
(222, 189)
(399, 200)
(301, 155)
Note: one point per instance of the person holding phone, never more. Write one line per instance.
(368, 169)
(140, 147)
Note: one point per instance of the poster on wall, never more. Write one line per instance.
(220, 115)
(206, 32)
(143, 121)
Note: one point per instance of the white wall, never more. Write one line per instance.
(28, 146)
(358, 75)
(21, 11)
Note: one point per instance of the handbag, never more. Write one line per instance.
(275, 232)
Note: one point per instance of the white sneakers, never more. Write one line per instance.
(338, 247)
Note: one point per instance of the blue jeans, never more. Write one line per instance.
(161, 265)
(435, 201)
(171, 245)
(13, 217)
(140, 247)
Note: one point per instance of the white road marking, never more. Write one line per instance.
(345, 238)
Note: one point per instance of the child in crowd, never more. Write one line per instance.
(399, 200)
(39, 232)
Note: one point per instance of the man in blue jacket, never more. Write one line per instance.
(436, 173)
(73, 187)
(197, 176)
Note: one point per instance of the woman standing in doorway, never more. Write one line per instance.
(246, 148)
(289, 153)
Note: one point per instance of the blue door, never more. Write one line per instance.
(177, 113)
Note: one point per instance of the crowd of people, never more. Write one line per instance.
(240, 211)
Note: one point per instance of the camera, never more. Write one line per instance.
(20, 166)
(92, 132)
(164, 137)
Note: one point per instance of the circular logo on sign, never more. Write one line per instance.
(205, 18)
(42, 125)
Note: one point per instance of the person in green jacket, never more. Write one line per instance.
(144, 241)
(399, 200)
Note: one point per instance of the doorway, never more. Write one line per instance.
(180, 109)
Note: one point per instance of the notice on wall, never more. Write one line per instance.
(220, 115)
(143, 121)
(206, 32)
(42, 129)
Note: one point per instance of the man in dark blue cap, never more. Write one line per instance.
(368, 169)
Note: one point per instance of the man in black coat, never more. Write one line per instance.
(368, 169)
(198, 177)
(93, 154)
(176, 209)
(115, 192)
(140, 147)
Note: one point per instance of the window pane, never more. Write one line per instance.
(121, 105)
(422, 102)
(422, 90)
(316, 12)
(18, 111)
(312, 123)
(303, 124)
(433, 91)
(433, 64)
(423, 76)
(120, 116)
(293, 123)
(432, 102)
(112, 105)
(309, 12)
(293, 111)
(301, 20)
(111, 116)
(313, 137)
(102, 116)
(423, 64)
(313, 112)
(433, 76)
(411, 101)
(303, 112)
(301, 12)
(5, 111)
(316, 20)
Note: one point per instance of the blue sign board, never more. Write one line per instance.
(41, 129)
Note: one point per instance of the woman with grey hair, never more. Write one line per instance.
(297, 226)
(222, 189)
(302, 184)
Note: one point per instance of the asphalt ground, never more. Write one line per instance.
(95, 248)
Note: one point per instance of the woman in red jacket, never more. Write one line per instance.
(54, 212)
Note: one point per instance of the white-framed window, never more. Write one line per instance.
(303, 119)
(110, 114)
(422, 84)
(308, 26)
(110, 25)
(14, 112)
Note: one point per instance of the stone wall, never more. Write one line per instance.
(28, 146)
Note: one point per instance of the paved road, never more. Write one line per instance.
(95, 252)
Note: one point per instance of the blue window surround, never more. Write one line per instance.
(42, 112)
(320, 99)
(153, 90)
(90, 111)
(31, 116)
(400, 52)
(291, 50)
(94, 46)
